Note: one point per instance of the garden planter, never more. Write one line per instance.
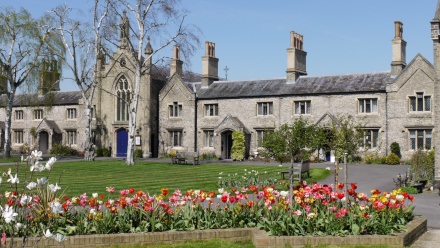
(419, 187)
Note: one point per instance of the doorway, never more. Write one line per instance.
(226, 144)
(44, 141)
(121, 143)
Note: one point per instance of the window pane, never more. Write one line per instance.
(368, 106)
(428, 103)
(374, 106)
(123, 106)
(260, 109)
(297, 108)
(180, 138)
(308, 107)
(303, 107)
(180, 110)
(259, 138)
(170, 141)
(419, 102)
(375, 138)
(216, 110)
(412, 104)
(420, 137)
(361, 106)
(271, 108)
(211, 138)
(206, 138)
(412, 139)
(428, 139)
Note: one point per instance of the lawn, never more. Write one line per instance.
(93, 177)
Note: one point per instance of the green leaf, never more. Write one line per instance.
(355, 229)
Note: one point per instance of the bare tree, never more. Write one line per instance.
(21, 45)
(83, 52)
(163, 21)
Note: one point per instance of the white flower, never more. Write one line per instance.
(48, 234)
(1, 179)
(95, 195)
(42, 181)
(18, 225)
(50, 163)
(400, 197)
(25, 200)
(220, 173)
(100, 202)
(221, 190)
(245, 169)
(197, 192)
(111, 201)
(343, 199)
(13, 180)
(92, 211)
(219, 196)
(219, 177)
(280, 165)
(56, 207)
(270, 190)
(36, 155)
(53, 188)
(327, 168)
(37, 167)
(9, 214)
(284, 193)
(31, 185)
(60, 238)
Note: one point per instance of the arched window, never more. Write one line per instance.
(123, 100)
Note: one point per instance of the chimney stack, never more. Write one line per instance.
(176, 63)
(399, 50)
(296, 57)
(209, 65)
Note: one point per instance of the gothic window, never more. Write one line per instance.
(122, 100)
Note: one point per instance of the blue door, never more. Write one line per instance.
(122, 140)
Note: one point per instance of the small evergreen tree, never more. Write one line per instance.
(238, 149)
(395, 148)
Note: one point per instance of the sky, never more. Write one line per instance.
(251, 37)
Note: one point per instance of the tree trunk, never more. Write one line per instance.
(8, 123)
(132, 120)
(89, 150)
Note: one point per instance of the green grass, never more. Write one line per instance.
(93, 177)
(225, 244)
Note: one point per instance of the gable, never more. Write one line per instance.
(175, 88)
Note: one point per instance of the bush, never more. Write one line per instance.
(61, 150)
(371, 159)
(99, 152)
(138, 153)
(409, 190)
(105, 152)
(238, 150)
(422, 165)
(395, 148)
(393, 159)
(383, 160)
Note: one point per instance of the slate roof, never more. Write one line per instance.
(60, 98)
(306, 85)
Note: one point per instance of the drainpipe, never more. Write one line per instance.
(195, 123)
(386, 122)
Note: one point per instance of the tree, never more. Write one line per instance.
(21, 50)
(292, 139)
(275, 146)
(83, 53)
(238, 150)
(156, 19)
(348, 134)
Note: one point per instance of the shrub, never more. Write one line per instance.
(61, 150)
(383, 160)
(238, 150)
(422, 165)
(99, 152)
(209, 156)
(105, 152)
(395, 148)
(371, 159)
(138, 153)
(393, 159)
(409, 190)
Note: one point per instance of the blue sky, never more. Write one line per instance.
(340, 36)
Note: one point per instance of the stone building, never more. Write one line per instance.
(181, 111)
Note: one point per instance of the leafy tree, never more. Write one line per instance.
(21, 53)
(292, 139)
(348, 134)
(238, 149)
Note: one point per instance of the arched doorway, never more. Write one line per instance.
(226, 144)
(121, 143)
(44, 141)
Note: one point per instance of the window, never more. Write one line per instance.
(209, 138)
(303, 108)
(420, 103)
(70, 137)
(175, 138)
(367, 106)
(122, 100)
(71, 113)
(265, 108)
(175, 110)
(420, 139)
(18, 137)
(261, 134)
(211, 109)
(371, 139)
(38, 114)
(19, 115)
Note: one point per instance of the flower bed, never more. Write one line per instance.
(316, 210)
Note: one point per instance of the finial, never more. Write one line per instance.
(148, 38)
(125, 12)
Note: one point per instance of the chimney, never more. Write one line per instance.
(399, 50)
(209, 65)
(296, 57)
(176, 63)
